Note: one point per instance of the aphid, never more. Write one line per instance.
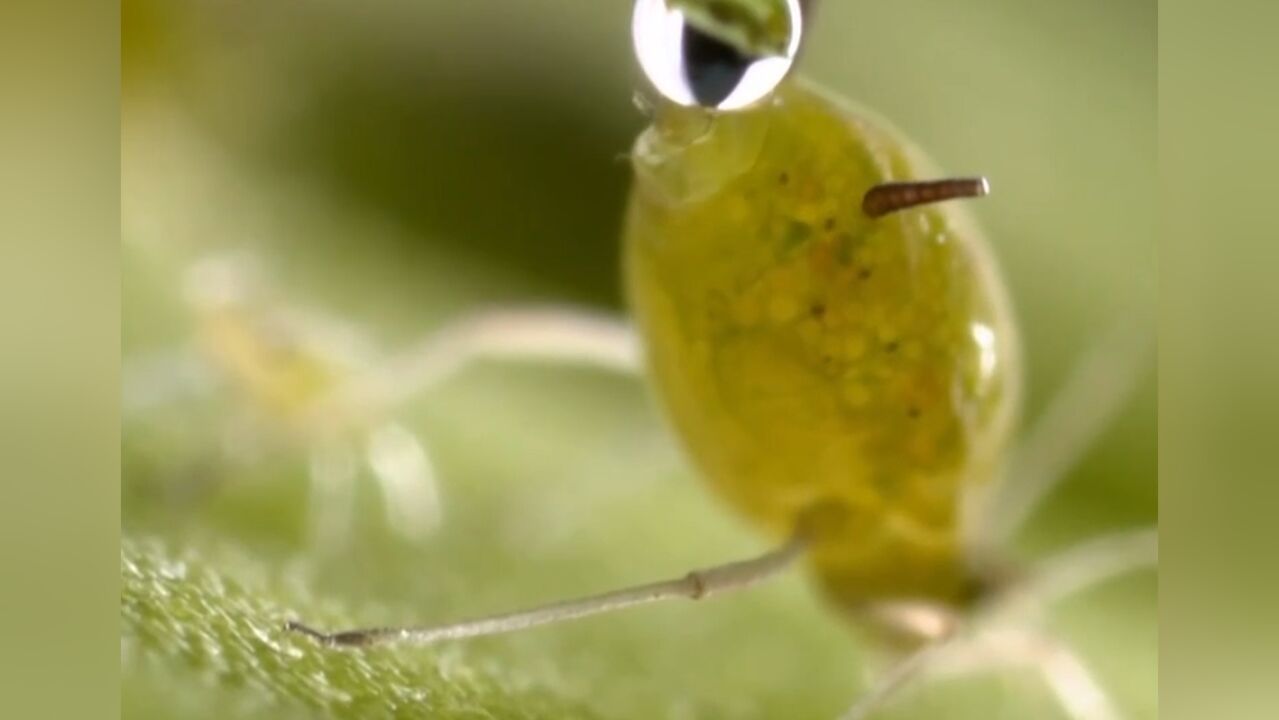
(307, 383)
(836, 349)
(278, 363)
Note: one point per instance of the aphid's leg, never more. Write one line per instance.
(1097, 390)
(399, 462)
(1011, 637)
(1077, 569)
(409, 489)
(157, 379)
(153, 385)
(333, 472)
(1093, 562)
(890, 197)
(914, 665)
(693, 586)
(1070, 680)
(1072, 684)
(546, 334)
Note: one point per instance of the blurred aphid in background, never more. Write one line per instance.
(308, 383)
(279, 363)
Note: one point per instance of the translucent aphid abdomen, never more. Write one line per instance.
(816, 362)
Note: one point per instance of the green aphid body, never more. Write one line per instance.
(857, 375)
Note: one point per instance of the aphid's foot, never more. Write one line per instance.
(342, 639)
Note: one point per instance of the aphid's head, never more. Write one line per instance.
(718, 55)
(718, 67)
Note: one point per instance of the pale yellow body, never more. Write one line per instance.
(277, 375)
(858, 375)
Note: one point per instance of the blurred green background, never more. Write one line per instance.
(395, 163)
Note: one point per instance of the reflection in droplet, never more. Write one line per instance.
(692, 68)
(713, 68)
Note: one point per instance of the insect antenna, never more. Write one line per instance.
(890, 197)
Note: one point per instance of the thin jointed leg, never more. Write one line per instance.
(1072, 684)
(333, 471)
(410, 492)
(155, 380)
(1093, 562)
(897, 677)
(1009, 640)
(537, 334)
(693, 586)
(1099, 387)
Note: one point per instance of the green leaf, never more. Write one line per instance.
(186, 624)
